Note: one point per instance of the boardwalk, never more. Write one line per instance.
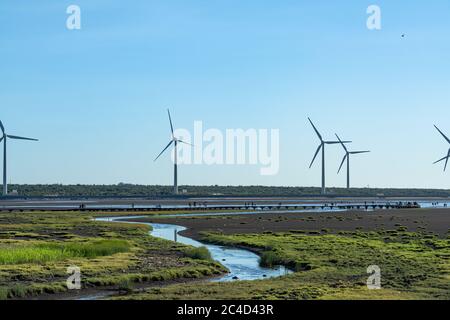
(199, 206)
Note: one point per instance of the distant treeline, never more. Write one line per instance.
(132, 190)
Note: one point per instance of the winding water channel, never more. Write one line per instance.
(242, 264)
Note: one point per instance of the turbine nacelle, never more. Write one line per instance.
(174, 139)
(5, 135)
(322, 142)
(347, 153)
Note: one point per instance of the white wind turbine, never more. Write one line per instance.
(347, 156)
(175, 142)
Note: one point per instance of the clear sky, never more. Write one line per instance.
(96, 97)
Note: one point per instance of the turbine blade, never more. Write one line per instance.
(358, 152)
(2, 127)
(440, 160)
(315, 129)
(315, 155)
(446, 160)
(185, 143)
(1, 139)
(340, 141)
(445, 137)
(342, 163)
(159, 155)
(21, 138)
(336, 142)
(170, 120)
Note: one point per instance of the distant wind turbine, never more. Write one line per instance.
(347, 156)
(175, 142)
(322, 146)
(4, 138)
(448, 153)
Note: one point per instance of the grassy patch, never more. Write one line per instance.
(269, 259)
(45, 252)
(30, 254)
(201, 253)
(92, 249)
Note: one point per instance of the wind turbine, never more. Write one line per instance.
(4, 138)
(448, 153)
(175, 142)
(347, 156)
(322, 146)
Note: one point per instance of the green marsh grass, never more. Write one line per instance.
(201, 253)
(269, 259)
(45, 252)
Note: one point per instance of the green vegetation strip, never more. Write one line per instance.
(44, 252)
(133, 191)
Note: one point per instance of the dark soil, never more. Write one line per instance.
(436, 221)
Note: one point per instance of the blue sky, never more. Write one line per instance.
(96, 97)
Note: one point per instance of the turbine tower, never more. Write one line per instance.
(4, 138)
(175, 142)
(448, 153)
(322, 146)
(347, 156)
